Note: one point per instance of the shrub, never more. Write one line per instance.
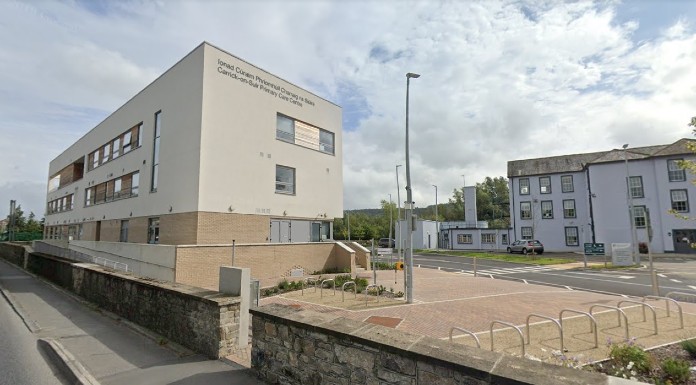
(283, 285)
(643, 248)
(675, 370)
(630, 358)
(690, 347)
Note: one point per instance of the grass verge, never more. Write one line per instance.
(528, 259)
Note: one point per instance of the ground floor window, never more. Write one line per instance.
(123, 236)
(680, 201)
(503, 239)
(639, 216)
(571, 236)
(153, 230)
(526, 233)
(487, 238)
(464, 238)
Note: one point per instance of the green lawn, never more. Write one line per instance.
(516, 258)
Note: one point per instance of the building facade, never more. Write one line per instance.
(566, 201)
(213, 151)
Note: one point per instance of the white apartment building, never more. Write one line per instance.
(214, 150)
(565, 201)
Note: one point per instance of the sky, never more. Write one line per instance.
(500, 80)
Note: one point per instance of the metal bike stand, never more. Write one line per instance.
(512, 326)
(681, 293)
(343, 290)
(560, 328)
(314, 280)
(478, 343)
(593, 322)
(333, 284)
(667, 301)
(619, 313)
(644, 305)
(367, 290)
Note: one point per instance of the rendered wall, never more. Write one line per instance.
(153, 261)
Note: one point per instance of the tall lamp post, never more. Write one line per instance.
(409, 206)
(631, 211)
(398, 222)
(437, 227)
(391, 215)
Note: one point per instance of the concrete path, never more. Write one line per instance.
(90, 346)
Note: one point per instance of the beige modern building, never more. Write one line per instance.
(214, 150)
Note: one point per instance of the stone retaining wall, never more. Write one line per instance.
(305, 347)
(13, 253)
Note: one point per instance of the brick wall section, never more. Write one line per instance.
(304, 347)
(110, 230)
(13, 253)
(137, 230)
(178, 229)
(222, 228)
(199, 265)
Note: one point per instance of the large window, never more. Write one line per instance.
(525, 210)
(545, 184)
(567, 184)
(122, 187)
(524, 186)
(487, 238)
(285, 180)
(303, 134)
(526, 232)
(639, 218)
(680, 201)
(636, 184)
(569, 208)
(155, 152)
(464, 239)
(153, 230)
(116, 147)
(61, 204)
(675, 173)
(546, 209)
(571, 236)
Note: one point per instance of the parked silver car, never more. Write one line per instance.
(526, 246)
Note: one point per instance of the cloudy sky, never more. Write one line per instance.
(501, 80)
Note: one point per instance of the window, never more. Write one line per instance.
(153, 230)
(571, 236)
(123, 237)
(636, 184)
(680, 201)
(569, 208)
(545, 184)
(487, 238)
(95, 159)
(106, 153)
(135, 182)
(567, 184)
(285, 180)
(117, 188)
(88, 196)
(464, 239)
(127, 142)
(303, 134)
(525, 210)
(504, 239)
(674, 171)
(54, 183)
(526, 233)
(524, 186)
(117, 147)
(546, 209)
(639, 218)
(155, 152)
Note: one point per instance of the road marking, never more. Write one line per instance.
(662, 275)
(603, 275)
(569, 288)
(675, 280)
(692, 287)
(525, 282)
(511, 270)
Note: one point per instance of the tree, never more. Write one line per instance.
(492, 203)
(23, 224)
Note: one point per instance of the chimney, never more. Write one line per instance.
(470, 205)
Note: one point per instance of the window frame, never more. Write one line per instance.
(503, 239)
(685, 201)
(520, 185)
(522, 210)
(293, 184)
(541, 187)
(632, 187)
(123, 233)
(571, 184)
(542, 210)
(642, 217)
(528, 237)
(462, 239)
(153, 230)
(567, 236)
(156, 149)
(671, 173)
(565, 210)
(486, 238)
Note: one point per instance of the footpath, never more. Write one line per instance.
(90, 346)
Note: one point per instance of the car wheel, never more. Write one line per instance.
(524, 251)
(509, 250)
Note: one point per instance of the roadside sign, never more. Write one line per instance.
(594, 249)
(385, 251)
(621, 254)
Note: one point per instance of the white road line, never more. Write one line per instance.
(569, 288)
(675, 280)
(692, 287)
(662, 275)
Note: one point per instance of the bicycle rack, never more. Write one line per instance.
(619, 313)
(343, 290)
(367, 290)
(560, 328)
(321, 295)
(644, 305)
(593, 322)
(512, 326)
(315, 281)
(478, 343)
(667, 300)
(680, 293)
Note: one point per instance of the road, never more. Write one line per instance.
(21, 363)
(673, 275)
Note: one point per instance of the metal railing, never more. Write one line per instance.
(619, 313)
(111, 264)
(667, 301)
(307, 280)
(333, 284)
(367, 292)
(643, 305)
(343, 290)
(529, 331)
(510, 325)
(593, 322)
(478, 343)
(681, 293)
(45, 248)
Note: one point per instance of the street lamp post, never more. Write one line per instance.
(391, 213)
(631, 211)
(398, 202)
(437, 228)
(409, 206)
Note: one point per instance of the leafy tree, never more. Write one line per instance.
(23, 224)
(492, 203)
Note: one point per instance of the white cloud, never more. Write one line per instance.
(500, 80)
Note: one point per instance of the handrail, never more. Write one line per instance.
(343, 290)
(560, 328)
(593, 322)
(667, 300)
(643, 304)
(619, 313)
(512, 326)
(680, 293)
(478, 342)
(321, 295)
(367, 290)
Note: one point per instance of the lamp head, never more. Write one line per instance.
(412, 75)
(625, 146)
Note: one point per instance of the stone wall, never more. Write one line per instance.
(13, 253)
(55, 269)
(304, 347)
